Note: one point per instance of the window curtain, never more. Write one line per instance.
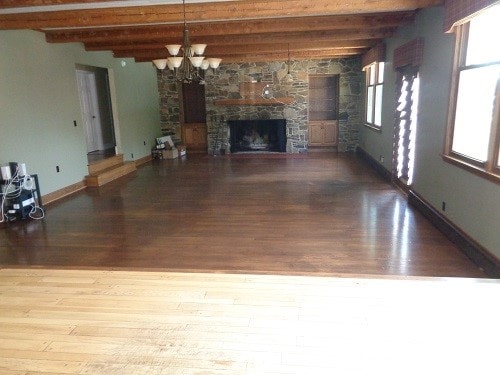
(376, 53)
(411, 53)
(460, 11)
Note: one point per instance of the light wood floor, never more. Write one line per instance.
(318, 214)
(126, 322)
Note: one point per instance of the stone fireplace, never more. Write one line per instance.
(231, 94)
(257, 135)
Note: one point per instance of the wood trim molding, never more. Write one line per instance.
(255, 101)
(478, 171)
(74, 188)
(62, 193)
(379, 168)
(471, 248)
(476, 252)
(143, 160)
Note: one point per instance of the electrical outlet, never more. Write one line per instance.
(57, 169)
(74, 123)
(381, 159)
(144, 143)
(443, 206)
(132, 155)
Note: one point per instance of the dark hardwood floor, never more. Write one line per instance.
(317, 214)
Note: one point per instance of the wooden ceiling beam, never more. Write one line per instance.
(294, 37)
(235, 30)
(304, 55)
(354, 36)
(298, 24)
(311, 38)
(209, 11)
(36, 3)
(278, 56)
(214, 49)
(248, 49)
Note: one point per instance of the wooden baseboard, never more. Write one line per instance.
(477, 253)
(379, 168)
(61, 193)
(143, 160)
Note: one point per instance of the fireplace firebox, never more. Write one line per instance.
(257, 135)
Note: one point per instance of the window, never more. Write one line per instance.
(374, 86)
(473, 132)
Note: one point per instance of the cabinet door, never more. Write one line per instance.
(323, 133)
(330, 133)
(199, 136)
(194, 137)
(315, 133)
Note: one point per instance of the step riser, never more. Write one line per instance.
(105, 164)
(99, 179)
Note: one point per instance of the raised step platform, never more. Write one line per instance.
(103, 171)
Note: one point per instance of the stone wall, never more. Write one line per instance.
(169, 105)
(224, 84)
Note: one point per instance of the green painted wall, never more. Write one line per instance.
(472, 203)
(39, 102)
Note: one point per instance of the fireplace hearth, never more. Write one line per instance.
(257, 135)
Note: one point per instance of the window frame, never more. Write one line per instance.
(376, 67)
(490, 168)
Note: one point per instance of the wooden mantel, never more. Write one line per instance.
(251, 94)
(255, 101)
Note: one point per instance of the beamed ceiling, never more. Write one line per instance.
(236, 31)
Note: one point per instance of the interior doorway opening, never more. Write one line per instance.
(99, 123)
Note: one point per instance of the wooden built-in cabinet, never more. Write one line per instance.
(323, 133)
(323, 110)
(194, 136)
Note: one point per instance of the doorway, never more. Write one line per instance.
(97, 113)
(405, 126)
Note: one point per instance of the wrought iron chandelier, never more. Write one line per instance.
(187, 67)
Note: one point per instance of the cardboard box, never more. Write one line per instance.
(167, 140)
(170, 154)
